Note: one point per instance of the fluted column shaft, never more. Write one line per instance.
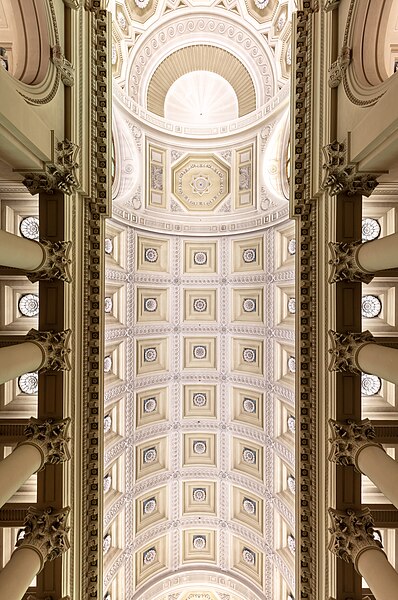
(18, 573)
(19, 359)
(16, 468)
(378, 360)
(20, 253)
(379, 574)
(380, 254)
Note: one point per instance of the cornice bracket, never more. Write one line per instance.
(337, 69)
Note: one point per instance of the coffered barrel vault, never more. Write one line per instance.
(199, 352)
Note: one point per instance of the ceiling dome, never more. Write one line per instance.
(201, 97)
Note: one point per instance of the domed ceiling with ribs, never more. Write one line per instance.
(199, 367)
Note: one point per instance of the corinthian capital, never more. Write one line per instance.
(345, 348)
(352, 534)
(58, 175)
(54, 346)
(345, 266)
(348, 439)
(46, 533)
(50, 438)
(55, 264)
(344, 177)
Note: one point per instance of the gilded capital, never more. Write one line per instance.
(54, 346)
(352, 534)
(348, 439)
(345, 266)
(340, 176)
(55, 263)
(345, 348)
(46, 533)
(50, 438)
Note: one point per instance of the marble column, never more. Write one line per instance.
(45, 351)
(42, 260)
(352, 539)
(358, 353)
(45, 442)
(45, 538)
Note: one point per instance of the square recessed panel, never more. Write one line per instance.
(199, 449)
(151, 457)
(248, 508)
(248, 560)
(152, 304)
(247, 406)
(19, 299)
(151, 355)
(247, 255)
(151, 508)
(151, 559)
(199, 545)
(151, 406)
(200, 401)
(200, 305)
(200, 353)
(200, 257)
(247, 356)
(247, 305)
(152, 254)
(199, 497)
(248, 458)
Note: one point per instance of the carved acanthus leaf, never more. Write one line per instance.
(345, 348)
(55, 264)
(352, 533)
(348, 439)
(331, 5)
(337, 69)
(342, 176)
(65, 68)
(54, 347)
(345, 266)
(50, 437)
(46, 533)
(59, 175)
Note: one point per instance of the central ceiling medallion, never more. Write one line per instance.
(200, 183)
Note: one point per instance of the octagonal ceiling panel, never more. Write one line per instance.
(200, 182)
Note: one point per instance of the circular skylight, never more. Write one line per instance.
(371, 306)
(201, 98)
(29, 305)
(29, 228)
(370, 229)
(29, 383)
(370, 384)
